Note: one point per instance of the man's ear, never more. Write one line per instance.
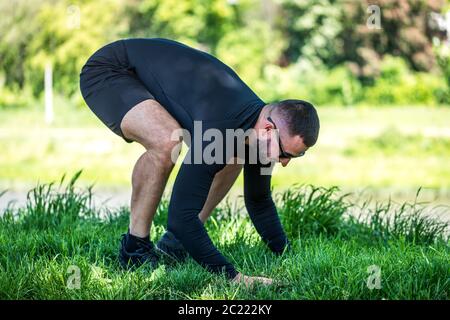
(266, 131)
(268, 125)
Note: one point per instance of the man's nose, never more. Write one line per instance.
(284, 161)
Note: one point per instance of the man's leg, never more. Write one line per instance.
(149, 124)
(220, 186)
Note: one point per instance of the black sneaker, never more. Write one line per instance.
(144, 254)
(170, 247)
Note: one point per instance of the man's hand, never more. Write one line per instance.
(249, 281)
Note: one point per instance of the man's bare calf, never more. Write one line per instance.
(149, 124)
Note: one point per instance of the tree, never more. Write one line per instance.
(36, 32)
(312, 29)
(201, 23)
(404, 32)
(17, 28)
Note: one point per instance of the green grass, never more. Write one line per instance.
(391, 142)
(332, 250)
(392, 148)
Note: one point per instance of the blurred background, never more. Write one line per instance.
(378, 72)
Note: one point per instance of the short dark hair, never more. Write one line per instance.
(300, 118)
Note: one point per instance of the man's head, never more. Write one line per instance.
(288, 128)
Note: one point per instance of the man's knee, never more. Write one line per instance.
(162, 158)
(149, 124)
(168, 152)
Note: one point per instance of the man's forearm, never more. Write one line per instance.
(265, 218)
(261, 208)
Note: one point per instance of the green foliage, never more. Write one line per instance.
(15, 97)
(307, 210)
(61, 32)
(316, 50)
(193, 21)
(317, 84)
(240, 47)
(313, 28)
(67, 44)
(407, 222)
(398, 85)
(443, 57)
(403, 32)
(39, 246)
(48, 208)
(17, 27)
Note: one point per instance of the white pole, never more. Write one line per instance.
(48, 93)
(447, 25)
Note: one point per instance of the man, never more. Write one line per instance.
(144, 90)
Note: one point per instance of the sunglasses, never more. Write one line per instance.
(284, 154)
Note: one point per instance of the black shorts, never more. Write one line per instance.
(110, 86)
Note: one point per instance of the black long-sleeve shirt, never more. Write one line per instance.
(195, 86)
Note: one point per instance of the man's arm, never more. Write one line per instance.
(189, 194)
(261, 208)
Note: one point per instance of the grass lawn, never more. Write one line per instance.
(58, 232)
